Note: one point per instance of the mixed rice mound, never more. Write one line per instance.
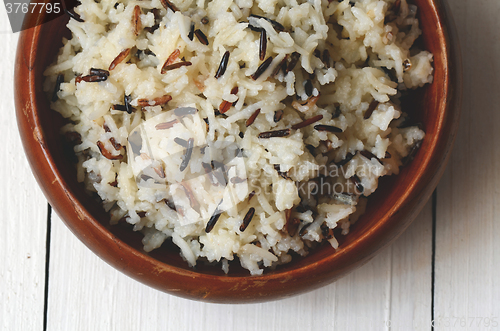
(242, 129)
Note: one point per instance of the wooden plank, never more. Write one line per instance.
(87, 294)
(411, 280)
(467, 266)
(24, 212)
(362, 299)
(394, 289)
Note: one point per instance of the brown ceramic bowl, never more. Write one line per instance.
(390, 210)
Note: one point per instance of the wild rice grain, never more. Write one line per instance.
(208, 127)
(90, 79)
(254, 28)
(326, 232)
(128, 107)
(260, 70)
(348, 158)
(159, 171)
(191, 32)
(180, 141)
(311, 149)
(218, 113)
(309, 104)
(74, 15)
(189, 193)
(153, 28)
(308, 86)
(357, 182)
(373, 105)
(201, 37)
(280, 67)
(57, 88)
(326, 58)
(247, 219)
(277, 26)
(294, 58)
(292, 226)
(273, 134)
(170, 204)
(278, 115)
(98, 72)
(252, 118)
(213, 220)
(284, 175)
(172, 58)
(411, 154)
(328, 128)
(262, 45)
(119, 107)
(149, 52)
(406, 65)
(288, 214)
(136, 20)
(303, 231)
(119, 58)
(226, 105)
(186, 157)
(154, 102)
(307, 122)
(168, 5)
(337, 112)
(174, 66)
(115, 144)
(223, 65)
(106, 153)
(114, 183)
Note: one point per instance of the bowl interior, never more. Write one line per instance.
(390, 209)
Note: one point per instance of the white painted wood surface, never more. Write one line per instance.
(87, 294)
(467, 265)
(396, 288)
(24, 211)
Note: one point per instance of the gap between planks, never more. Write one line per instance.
(47, 266)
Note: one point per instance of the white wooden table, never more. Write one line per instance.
(445, 267)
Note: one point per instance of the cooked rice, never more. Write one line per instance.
(236, 139)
